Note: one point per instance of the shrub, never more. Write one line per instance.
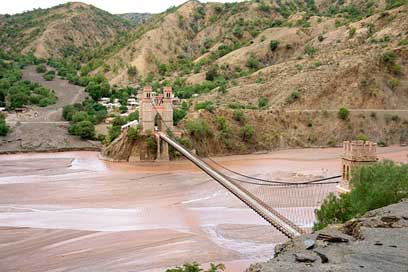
(247, 133)
(207, 105)
(274, 45)
(343, 113)
(320, 38)
(133, 133)
(222, 124)
(352, 32)
(194, 267)
(133, 116)
(262, 102)
(310, 50)
(253, 62)
(393, 83)
(362, 137)
(49, 76)
(373, 187)
(198, 128)
(212, 73)
(264, 7)
(85, 129)
(41, 68)
(4, 129)
(294, 96)
(238, 115)
(389, 57)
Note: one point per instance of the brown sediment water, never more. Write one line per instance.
(73, 212)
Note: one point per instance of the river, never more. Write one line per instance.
(73, 212)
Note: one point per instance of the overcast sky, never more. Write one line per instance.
(113, 6)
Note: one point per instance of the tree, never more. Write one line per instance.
(85, 129)
(343, 113)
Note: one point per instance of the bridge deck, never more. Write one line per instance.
(281, 223)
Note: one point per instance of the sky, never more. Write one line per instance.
(112, 6)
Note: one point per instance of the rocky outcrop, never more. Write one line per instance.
(377, 241)
(124, 148)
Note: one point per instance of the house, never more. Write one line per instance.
(134, 123)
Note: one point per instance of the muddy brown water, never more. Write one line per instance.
(73, 212)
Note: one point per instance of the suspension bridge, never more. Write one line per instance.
(287, 205)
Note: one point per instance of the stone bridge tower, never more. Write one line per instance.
(158, 108)
(355, 153)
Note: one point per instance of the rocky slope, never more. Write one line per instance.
(378, 241)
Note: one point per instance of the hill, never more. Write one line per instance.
(135, 18)
(60, 31)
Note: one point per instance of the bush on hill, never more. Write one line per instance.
(373, 187)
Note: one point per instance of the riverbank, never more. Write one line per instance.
(71, 211)
(377, 241)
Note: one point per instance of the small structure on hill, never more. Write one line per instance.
(355, 154)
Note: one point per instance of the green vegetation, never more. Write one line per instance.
(4, 129)
(195, 267)
(390, 4)
(180, 112)
(133, 133)
(85, 129)
(83, 118)
(206, 105)
(389, 60)
(362, 137)
(373, 187)
(247, 133)
(343, 113)
(15, 92)
(198, 129)
(262, 102)
(238, 116)
(49, 76)
(293, 97)
(253, 63)
(273, 45)
(41, 68)
(310, 50)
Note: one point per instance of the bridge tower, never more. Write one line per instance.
(150, 107)
(146, 109)
(355, 154)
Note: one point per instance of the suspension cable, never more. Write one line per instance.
(272, 182)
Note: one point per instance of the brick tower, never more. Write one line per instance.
(167, 110)
(355, 153)
(146, 110)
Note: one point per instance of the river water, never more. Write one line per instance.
(73, 212)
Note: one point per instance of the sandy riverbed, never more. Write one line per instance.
(72, 212)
